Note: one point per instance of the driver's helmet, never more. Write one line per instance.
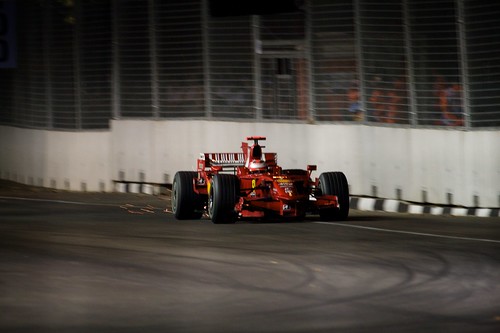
(257, 165)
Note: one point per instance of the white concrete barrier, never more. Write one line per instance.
(419, 165)
(63, 160)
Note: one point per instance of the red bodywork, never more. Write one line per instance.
(264, 191)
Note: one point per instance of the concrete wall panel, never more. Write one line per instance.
(420, 165)
(64, 160)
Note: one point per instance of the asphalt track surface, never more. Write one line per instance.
(74, 262)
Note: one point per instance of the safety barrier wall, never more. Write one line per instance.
(421, 165)
(78, 161)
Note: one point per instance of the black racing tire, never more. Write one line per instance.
(223, 196)
(186, 203)
(335, 183)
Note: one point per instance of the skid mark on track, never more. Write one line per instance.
(134, 209)
(130, 208)
(409, 232)
(58, 201)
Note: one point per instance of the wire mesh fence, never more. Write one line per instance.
(95, 59)
(134, 58)
(397, 63)
(437, 68)
(335, 79)
(482, 47)
(384, 65)
(283, 67)
(230, 73)
(179, 59)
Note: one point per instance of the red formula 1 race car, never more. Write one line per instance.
(250, 184)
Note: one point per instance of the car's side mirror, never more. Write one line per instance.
(312, 168)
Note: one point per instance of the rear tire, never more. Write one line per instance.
(335, 183)
(186, 203)
(223, 196)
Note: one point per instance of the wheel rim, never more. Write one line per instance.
(210, 204)
(174, 198)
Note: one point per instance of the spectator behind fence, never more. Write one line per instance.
(377, 101)
(450, 105)
(387, 103)
(354, 102)
(397, 100)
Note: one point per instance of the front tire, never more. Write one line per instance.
(223, 196)
(335, 183)
(186, 203)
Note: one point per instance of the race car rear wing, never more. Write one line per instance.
(209, 160)
(223, 159)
